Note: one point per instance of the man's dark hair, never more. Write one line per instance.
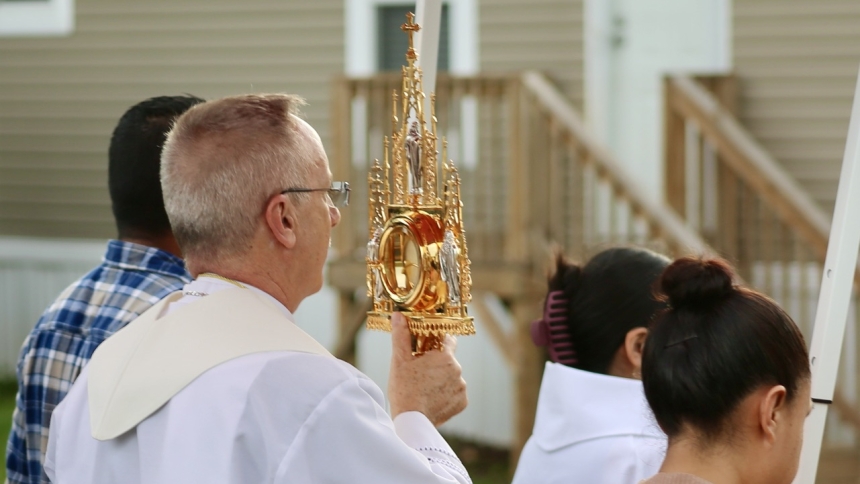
(133, 168)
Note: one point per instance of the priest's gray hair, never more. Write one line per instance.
(222, 161)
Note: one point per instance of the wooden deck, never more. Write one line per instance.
(535, 180)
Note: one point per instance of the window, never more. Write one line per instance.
(23, 18)
(459, 27)
(369, 26)
(392, 41)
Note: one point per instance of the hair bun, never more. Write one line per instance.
(695, 283)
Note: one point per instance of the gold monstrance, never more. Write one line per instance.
(417, 262)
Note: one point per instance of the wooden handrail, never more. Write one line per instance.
(774, 198)
(530, 92)
(668, 222)
(752, 162)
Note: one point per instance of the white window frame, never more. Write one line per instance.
(361, 51)
(362, 30)
(37, 19)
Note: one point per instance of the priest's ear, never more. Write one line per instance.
(280, 217)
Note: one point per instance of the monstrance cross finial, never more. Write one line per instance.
(410, 27)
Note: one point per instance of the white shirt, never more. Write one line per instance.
(273, 417)
(590, 428)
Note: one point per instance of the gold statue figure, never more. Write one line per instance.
(417, 261)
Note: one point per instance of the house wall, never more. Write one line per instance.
(546, 35)
(61, 97)
(797, 63)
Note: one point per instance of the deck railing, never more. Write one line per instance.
(728, 188)
(531, 171)
(533, 178)
(582, 196)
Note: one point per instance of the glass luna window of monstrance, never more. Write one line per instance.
(403, 273)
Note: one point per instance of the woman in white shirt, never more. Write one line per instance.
(593, 424)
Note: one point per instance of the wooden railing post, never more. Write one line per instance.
(527, 373)
(341, 165)
(675, 139)
(352, 315)
(527, 164)
(727, 238)
(725, 90)
(517, 185)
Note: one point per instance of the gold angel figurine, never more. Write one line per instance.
(417, 260)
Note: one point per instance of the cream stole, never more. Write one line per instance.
(140, 368)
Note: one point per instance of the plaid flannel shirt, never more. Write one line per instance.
(130, 279)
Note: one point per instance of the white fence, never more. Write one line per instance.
(32, 273)
(795, 287)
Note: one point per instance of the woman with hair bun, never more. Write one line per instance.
(727, 375)
(593, 424)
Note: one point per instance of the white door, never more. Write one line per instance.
(629, 46)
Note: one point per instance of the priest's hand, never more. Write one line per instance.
(431, 383)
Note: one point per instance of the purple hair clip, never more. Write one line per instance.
(551, 331)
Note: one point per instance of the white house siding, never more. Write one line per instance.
(61, 97)
(797, 63)
(546, 35)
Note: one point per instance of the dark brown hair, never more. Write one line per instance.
(607, 297)
(134, 158)
(715, 344)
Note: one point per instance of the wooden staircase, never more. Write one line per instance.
(730, 190)
(534, 178)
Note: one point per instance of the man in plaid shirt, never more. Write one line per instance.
(138, 270)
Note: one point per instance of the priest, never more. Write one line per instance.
(216, 384)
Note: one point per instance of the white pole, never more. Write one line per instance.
(833, 301)
(428, 14)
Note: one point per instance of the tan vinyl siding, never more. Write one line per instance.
(797, 62)
(537, 34)
(61, 97)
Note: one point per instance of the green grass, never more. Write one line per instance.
(486, 465)
(8, 387)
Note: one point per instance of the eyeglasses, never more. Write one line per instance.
(338, 193)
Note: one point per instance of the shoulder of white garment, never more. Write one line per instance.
(576, 405)
(590, 428)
